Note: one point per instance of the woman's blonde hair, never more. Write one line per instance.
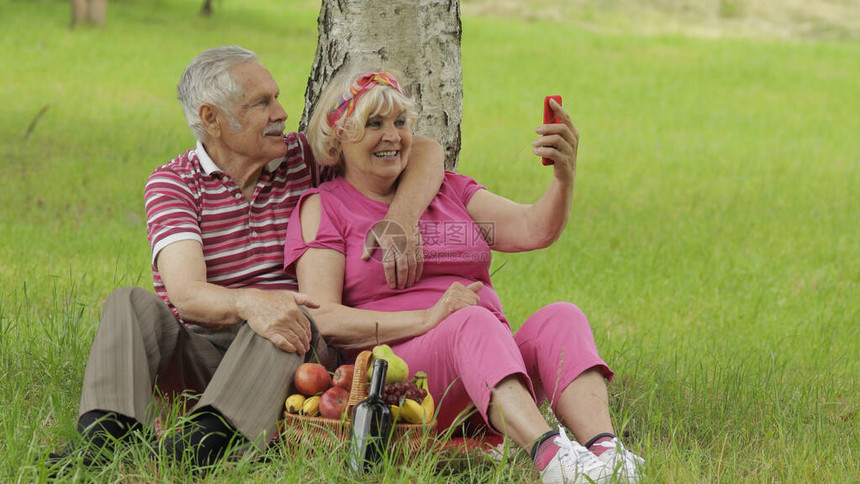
(381, 100)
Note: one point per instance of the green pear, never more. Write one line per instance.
(398, 370)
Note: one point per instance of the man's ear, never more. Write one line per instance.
(209, 117)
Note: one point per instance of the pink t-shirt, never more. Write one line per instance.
(455, 247)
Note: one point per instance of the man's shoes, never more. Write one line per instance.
(99, 433)
(203, 441)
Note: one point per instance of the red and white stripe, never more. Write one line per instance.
(189, 198)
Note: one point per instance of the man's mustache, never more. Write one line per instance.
(275, 128)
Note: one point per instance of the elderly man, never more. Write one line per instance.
(226, 322)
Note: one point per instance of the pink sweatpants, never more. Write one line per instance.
(471, 351)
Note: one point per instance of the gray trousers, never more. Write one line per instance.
(141, 344)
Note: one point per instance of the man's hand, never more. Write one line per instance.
(403, 257)
(456, 297)
(277, 316)
(401, 251)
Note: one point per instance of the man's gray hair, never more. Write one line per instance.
(207, 79)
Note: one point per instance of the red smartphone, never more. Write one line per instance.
(549, 117)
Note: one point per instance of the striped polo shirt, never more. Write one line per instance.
(190, 198)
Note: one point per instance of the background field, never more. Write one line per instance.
(714, 241)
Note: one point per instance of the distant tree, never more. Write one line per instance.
(206, 9)
(419, 38)
(89, 11)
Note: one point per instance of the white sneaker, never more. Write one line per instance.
(619, 463)
(573, 464)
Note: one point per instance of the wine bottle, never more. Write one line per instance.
(371, 424)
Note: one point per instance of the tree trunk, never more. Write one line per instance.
(89, 11)
(421, 39)
(206, 9)
(79, 11)
(98, 11)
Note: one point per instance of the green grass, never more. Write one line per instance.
(713, 241)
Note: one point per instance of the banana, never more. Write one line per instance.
(429, 407)
(412, 412)
(395, 413)
(428, 403)
(311, 407)
(294, 403)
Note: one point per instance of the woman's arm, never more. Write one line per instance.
(520, 227)
(321, 271)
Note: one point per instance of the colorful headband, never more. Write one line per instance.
(346, 104)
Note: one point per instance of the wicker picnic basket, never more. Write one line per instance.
(406, 437)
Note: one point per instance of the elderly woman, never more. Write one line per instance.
(450, 323)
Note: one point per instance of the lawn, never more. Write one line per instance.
(714, 241)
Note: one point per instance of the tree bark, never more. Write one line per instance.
(420, 39)
(89, 11)
(206, 9)
(79, 11)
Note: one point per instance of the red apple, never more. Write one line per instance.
(343, 377)
(311, 379)
(333, 402)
